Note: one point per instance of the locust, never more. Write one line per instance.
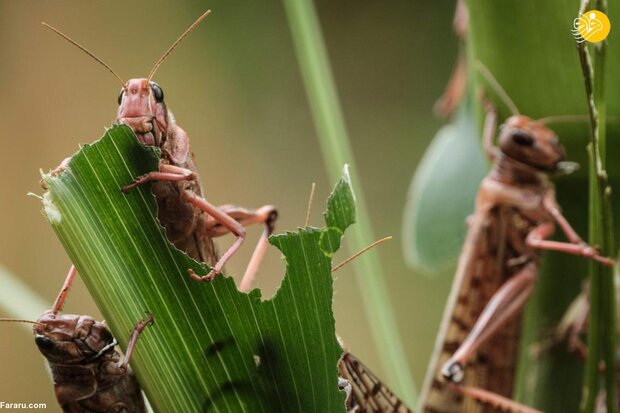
(88, 373)
(365, 392)
(473, 363)
(191, 222)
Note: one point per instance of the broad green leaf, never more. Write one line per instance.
(442, 194)
(212, 348)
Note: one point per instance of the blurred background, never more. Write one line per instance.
(234, 85)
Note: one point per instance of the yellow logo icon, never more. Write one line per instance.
(593, 26)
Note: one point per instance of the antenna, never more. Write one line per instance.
(563, 118)
(486, 73)
(357, 254)
(85, 50)
(310, 204)
(175, 44)
(13, 320)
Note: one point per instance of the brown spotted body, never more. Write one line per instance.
(484, 266)
(365, 392)
(516, 210)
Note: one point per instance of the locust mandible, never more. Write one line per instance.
(190, 220)
(472, 367)
(87, 371)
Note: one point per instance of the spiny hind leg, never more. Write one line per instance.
(505, 304)
(492, 399)
(265, 215)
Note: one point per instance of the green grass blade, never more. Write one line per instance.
(336, 150)
(212, 348)
(18, 300)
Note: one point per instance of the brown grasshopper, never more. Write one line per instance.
(190, 220)
(516, 212)
(87, 371)
(365, 392)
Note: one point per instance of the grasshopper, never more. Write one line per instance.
(190, 220)
(365, 392)
(87, 371)
(516, 212)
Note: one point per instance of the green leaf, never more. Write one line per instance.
(448, 176)
(212, 348)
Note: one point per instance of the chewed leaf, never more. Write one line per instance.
(212, 348)
(442, 195)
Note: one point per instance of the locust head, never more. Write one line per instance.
(71, 339)
(142, 108)
(141, 101)
(531, 143)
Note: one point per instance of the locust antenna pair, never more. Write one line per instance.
(104, 64)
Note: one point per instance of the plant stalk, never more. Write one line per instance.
(602, 321)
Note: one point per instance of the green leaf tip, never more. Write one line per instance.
(212, 347)
(340, 213)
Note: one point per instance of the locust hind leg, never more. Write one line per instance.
(505, 304)
(493, 399)
(222, 220)
(242, 217)
(266, 215)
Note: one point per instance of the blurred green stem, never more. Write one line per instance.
(336, 150)
(602, 323)
(18, 300)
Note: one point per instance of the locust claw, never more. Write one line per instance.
(136, 183)
(453, 371)
(201, 278)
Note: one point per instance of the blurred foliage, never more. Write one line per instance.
(442, 194)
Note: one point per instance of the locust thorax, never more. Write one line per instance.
(71, 339)
(142, 108)
(531, 143)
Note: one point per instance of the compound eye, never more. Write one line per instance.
(522, 138)
(157, 92)
(120, 95)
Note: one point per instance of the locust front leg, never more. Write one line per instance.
(133, 340)
(575, 246)
(62, 295)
